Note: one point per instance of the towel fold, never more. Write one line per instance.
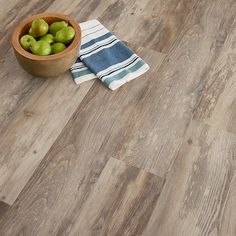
(105, 57)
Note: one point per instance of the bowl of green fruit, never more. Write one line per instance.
(47, 44)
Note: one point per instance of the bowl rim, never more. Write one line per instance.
(16, 42)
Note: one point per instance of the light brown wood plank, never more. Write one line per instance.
(35, 128)
(120, 203)
(198, 197)
(228, 219)
(154, 132)
(217, 106)
(16, 85)
(155, 24)
(77, 196)
(88, 183)
(152, 24)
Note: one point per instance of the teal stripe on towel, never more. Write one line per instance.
(81, 73)
(123, 73)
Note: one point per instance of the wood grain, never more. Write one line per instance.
(152, 24)
(157, 126)
(17, 90)
(200, 189)
(16, 84)
(118, 192)
(74, 163)
(156, 157)
(217, 105)
(35, 128)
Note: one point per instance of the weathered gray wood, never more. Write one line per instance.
(154, 132)
(32, 132)
(199, 194)
(120, 204)
(28, 108)
(16, 85)
(217, 106)
(153, 24)
(8, 116)
(176, 122)
(76, 160)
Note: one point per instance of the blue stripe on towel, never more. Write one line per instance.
(108, 58)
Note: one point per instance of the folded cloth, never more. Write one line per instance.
(104, 56)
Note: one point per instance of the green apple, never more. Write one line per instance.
(56, 26)
(48, 38)
(26, 41)
(65, 35)
(39, 27)
(58, 47)
(41, 48)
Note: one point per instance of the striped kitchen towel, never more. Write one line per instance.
(104, 56)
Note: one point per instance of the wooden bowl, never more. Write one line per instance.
(51, 65)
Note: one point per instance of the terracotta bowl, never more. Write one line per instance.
(52, 65)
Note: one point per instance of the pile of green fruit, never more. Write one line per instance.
(44, 40)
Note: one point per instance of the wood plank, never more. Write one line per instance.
(15, 112)
(114, 208)
(32, 132)
(155, 24)
(154, 132)
(16, 85)
(217, 105)
(67, 194)
(155, 27)
(199, 194)
(77, 188)
(228, 218)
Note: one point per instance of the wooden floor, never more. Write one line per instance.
(157, 157)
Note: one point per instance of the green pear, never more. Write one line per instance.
(39, 27)
(58, 47)
(41, 48)
(48, 38)
(56, 26)
(65, 35)
(26, 41)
